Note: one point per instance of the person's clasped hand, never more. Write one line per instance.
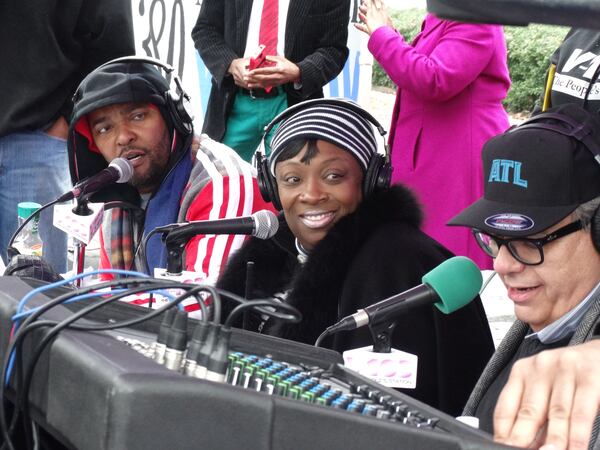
(373, 15)
(238, 69)
(280, 71)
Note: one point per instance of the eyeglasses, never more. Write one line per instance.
(529, 251)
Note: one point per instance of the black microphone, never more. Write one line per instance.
(262, 224)
(449, 286)
(119, 170)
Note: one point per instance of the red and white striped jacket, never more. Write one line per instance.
(221, 185)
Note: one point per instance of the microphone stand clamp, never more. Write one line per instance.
(382, 336)
(175, 238)
(80, 209)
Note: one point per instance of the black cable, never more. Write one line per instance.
(28, 375)
(14, 345)
(216, 297)
(133, 322)
(28, 325)
(8, 430)
(322, 336)
(142, 249)
(80, 314)
(269, 312)
(203, 308)
(294, 315)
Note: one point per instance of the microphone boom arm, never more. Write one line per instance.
(176, 236)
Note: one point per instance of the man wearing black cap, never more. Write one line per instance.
(126, 109)
(538, 219)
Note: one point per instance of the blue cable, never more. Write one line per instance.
(40, 289)
(23, 314)
(11, 360)
(20, 313)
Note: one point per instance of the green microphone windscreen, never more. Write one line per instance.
(456, 281)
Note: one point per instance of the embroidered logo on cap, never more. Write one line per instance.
(510, 222)
(507, 171)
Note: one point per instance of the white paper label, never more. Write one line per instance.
(396, 369)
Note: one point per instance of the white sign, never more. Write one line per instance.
(395, 369)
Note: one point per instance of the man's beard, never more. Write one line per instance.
(149, 181)
(158, 167)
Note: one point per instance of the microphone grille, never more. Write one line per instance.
(124, 168)
(266, 224)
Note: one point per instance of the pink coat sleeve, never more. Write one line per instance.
(460, 55)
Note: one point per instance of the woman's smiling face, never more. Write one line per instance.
(316, 193)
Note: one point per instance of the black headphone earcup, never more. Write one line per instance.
(181, 118)
(384, 176)
(595, 229)
(378, 175)
(266, 184)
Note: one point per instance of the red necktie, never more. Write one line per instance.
(268, 26)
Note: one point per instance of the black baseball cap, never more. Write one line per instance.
(537, 173)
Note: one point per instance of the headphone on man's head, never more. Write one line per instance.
(582, 132)
(379, 170)
(176, 101)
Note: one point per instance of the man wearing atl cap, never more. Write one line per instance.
(539, 220)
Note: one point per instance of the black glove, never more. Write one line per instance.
(32, 267)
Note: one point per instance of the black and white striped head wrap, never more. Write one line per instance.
(333, 123)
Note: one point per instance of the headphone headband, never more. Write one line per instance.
(578, 130)
(176, 101)
(323, 101)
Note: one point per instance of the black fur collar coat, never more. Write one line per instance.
(369, 255)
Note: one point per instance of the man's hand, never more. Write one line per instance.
(551, 398)
(372, 14)
(282, 71)
(238, 69)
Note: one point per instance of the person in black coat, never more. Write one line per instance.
(346, 241)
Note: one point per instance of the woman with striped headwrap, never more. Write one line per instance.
(347, 240)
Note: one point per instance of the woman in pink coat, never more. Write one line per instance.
(451, 82)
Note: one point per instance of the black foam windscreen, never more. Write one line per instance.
(32, 267)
